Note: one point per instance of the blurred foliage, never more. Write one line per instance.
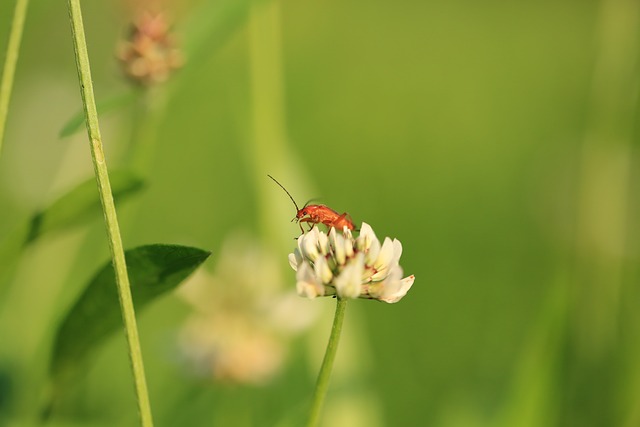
(496, 140)
(77, 123)
(153, 270)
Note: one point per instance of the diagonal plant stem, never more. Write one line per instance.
(13, 48)
(322, 384)
(108, 207)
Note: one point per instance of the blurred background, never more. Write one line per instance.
(497, 140)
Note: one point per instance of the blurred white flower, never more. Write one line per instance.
(339, 264)
(241, 321)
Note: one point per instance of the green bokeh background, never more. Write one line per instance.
(497, 140)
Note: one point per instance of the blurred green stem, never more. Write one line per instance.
(268, 151)
(13, 48)
(322, 384)
(106, 198)
(605, 225)
(10, 249)
(148, 115)
(605, 180)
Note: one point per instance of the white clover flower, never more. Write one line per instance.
(241, 324)
(339, 264)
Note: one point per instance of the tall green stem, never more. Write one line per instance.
(322, 384)
(13, 47)
(108, 207)
(268, 151)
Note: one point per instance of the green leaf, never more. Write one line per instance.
(153, 271)
(75, 123)
(81, 204)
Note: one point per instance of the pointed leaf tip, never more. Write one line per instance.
(153, 271)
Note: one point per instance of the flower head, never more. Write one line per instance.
(241, 323)
(339, 264)
(149, 54)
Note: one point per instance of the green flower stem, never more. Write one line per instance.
(322, 384)
(268, 151)
(13, 47)
(149, 113)
(106, 198)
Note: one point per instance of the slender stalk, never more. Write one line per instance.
(13, 47)
(149, 112)
(322, 384)
(268, 151)
(108, 207)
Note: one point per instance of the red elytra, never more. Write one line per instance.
(318, 214)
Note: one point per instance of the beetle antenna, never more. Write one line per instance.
(285, 190)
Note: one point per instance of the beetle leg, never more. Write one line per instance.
(348, 217)
(308, 220)
(343, 216)
(340, 218)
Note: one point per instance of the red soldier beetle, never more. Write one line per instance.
(318, 214)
